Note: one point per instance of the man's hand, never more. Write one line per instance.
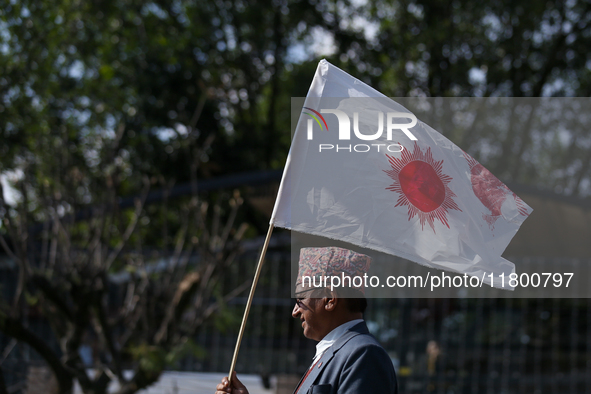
(237, 386)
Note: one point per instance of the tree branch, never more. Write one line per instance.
(12, 327)
(139, 205)
(184, 291)
(53, 294)
(103, 329)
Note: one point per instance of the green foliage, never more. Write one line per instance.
(150, 358)
(154, 359)
(227, 319)
(31, 299)
(188, 347)
(203, 88)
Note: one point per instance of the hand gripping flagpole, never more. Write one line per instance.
(249, 302)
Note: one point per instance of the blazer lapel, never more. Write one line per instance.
(317, 369)
(315, 372)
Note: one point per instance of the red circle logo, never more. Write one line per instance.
(422, 186)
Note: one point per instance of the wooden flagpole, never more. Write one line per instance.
(249, 302)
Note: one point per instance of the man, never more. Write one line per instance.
(348, 359)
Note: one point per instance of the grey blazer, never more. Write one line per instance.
(355, 364)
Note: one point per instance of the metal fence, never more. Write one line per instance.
(436, 345)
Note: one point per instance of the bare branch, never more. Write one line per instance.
(138, 312)
(7, 249)
(235, 204)
(215, 227)
(21, 242)
(130, 300)
(201, 318)
(184, 291)
(66, 244)
(106, 333)
(7, 350)
(15, 329)
(54, 244)
(199, 107)
(8, 224)
(178, 250)
(53, 294)
(139, 206)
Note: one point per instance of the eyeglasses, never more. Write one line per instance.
(299, 302)
(300, 299)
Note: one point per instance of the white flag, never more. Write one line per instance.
(364, 170)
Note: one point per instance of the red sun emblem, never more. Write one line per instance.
(422, 186)
(491, 192)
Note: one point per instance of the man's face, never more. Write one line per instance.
(313, 316)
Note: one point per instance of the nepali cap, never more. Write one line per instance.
(316, 263)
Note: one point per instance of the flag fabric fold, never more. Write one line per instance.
(362, 169)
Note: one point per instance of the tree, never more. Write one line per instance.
(436, 48)
(105, 100)
(76, 139)
(98, 279)
(109, 99)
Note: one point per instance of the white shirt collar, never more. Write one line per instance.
(332, 337)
